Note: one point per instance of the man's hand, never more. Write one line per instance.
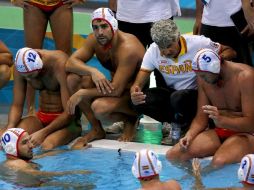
(74, 100)
(73, 2)
(22, 3)
(102, 84)
(38, 137)
(184, 142)
(81, 143)
(248, 31)
(213, 113)
(196, 167)
(137, 96)
(249, 16)
(2, 130)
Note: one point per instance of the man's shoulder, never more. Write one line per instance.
(246, 73)
(129, 41)
(16, 164)
(130, 51)
(56, 58)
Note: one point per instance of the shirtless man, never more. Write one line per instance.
(146, 168)
(225, 95)
(17, 145)
(44, 70)
(5, 64)
(100, 99)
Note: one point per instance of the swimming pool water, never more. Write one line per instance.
(110, 171)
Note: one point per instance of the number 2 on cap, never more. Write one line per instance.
(244, 163)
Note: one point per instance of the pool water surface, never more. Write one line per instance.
(110, 169)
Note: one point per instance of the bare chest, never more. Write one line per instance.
(107, 59)
(226, 97)
(45, 83)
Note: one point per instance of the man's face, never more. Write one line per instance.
(25, 147)
(208, 77)
(102, 31)
(172, 51)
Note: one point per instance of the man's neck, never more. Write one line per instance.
(225, 71)
(150, 182)
(11, 157)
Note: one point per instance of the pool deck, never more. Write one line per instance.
(108, 143)
(128, 146)
(80, 14)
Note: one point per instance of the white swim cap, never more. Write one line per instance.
(107, 15)
(10, 139)
(28, 60)
(146, 164)
(246, 169)
(206, 60)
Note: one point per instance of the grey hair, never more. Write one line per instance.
(164, 33)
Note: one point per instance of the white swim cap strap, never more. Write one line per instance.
(23, 59)
(146, 165)
(150, 162)
(139, 165)
(246, 177)
(17, 143)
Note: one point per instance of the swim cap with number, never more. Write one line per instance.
(10, 139)
(206, 60)
(28, 60)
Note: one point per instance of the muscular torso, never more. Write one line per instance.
(111, 58)
(107, 59)
(50, 97)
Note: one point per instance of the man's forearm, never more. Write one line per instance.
(78, 67)
(91, 93)
(14, 117)
(6, 59)
(227, 53)
(59, 123)
(55, 173)
(196, 128)
(199, 9)
(113, 5)
(239, 124)
(246, 4)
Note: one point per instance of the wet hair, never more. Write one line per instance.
(164, 33)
